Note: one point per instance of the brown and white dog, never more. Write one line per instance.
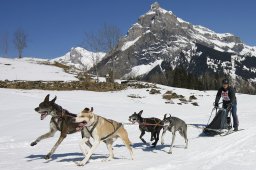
(100, 129)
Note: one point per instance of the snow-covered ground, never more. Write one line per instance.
(30, 69)
(20, 125)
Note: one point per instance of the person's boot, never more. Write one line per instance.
(235, 129)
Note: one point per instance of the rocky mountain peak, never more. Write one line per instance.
(160, 41)
(155, 6)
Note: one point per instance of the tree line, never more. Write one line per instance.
(180, 77)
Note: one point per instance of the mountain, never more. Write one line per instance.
(159, 42)
(80, 58)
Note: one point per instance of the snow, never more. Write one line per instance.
(223, 44)
(164, 11)
(218, 48)
(80, 58)
(142, 69)
(248, 50)
(20, 125)
(204, 30)
(32, 70)
(128, 44)
(217, 40)
(150, 13)
(182, 21)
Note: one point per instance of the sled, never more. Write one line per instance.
(220, 125)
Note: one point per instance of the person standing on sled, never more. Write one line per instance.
(229, 99)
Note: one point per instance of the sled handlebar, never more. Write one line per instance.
(217, 107)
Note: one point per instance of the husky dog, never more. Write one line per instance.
(62, 120)
(174, 124)
(152, 125)
(100, 129)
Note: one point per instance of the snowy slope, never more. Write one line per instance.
(80, 58)
(20, 125)
(30, 69)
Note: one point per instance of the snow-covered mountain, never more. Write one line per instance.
(161, 41)
(80, 58)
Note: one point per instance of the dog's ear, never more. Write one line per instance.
(165, 116)
(91, 109)
(46, 99)
(140, 113)
(54, 99)
(86, 110)
(170, 115)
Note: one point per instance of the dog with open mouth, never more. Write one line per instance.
(62, 120)
(101, 130)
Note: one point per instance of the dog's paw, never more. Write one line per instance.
(108, 159)
(48, 156)
(33, 143)
(81, 163)
(170, 152)
(162, 143)
(153, 146)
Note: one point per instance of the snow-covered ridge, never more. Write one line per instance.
(129, 44)
(32, 69)
(80, 58)
(142, 69)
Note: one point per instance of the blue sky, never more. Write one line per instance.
(54, 26)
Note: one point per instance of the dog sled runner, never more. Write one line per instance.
(220, 124)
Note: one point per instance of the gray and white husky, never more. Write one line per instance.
(174, 124)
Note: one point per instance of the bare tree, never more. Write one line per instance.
(4, 44)
(94, 43)
(105, 39)
(20, 41)
(111, 35)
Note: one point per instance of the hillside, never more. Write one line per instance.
(32, 69)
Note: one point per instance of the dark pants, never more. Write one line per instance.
(234, 114)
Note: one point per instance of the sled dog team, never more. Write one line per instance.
(100, 129)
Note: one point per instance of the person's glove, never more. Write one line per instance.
(229, 105)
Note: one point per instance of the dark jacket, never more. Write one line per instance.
(228, 95)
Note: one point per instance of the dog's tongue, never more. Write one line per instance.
(43, 115)
(132, 121)
(80, 126)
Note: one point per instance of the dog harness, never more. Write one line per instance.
(61, 118)
(95, 124)
(145, 124)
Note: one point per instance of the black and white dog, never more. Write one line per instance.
(152, 125)
(174, 124)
